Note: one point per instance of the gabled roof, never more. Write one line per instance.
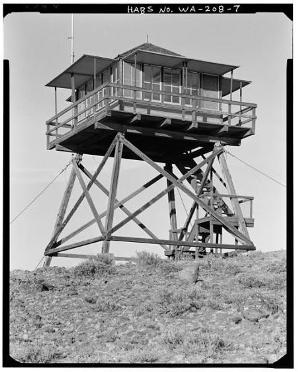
(149, 48)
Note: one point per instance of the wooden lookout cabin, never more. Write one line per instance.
(176, 114)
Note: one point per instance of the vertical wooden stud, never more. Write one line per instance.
(172, 205)
(112, 193)
(62, 211)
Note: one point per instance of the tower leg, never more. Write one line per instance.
(231, 189)
(62, 211)
(172, 206)
(112, 193)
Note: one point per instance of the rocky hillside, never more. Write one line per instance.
(146, 312)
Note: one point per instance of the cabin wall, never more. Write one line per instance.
(156, 78)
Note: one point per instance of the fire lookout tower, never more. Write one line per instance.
(167, 110)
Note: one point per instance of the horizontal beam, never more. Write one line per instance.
(166, 133)
(88, 256)
(176, 243)
(82, 243)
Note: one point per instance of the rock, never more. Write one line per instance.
(190, 273)
(254, 315)
(236, 319)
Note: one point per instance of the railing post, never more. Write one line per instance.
(135, 90)
(240, 92)
(231, 97)
(56, 110)
(73, 98)
(253, 120)
(250, 208)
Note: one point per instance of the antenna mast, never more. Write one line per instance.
(72, 39)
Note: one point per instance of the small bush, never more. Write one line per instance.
(102, 264)
(106, 305)
(174, 302)
(144, 356)
(232, 268)
(173, 338)
(34, 354)
(250, 281)
(270, 281)
(148, 259)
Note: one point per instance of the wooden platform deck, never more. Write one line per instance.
(163, 131)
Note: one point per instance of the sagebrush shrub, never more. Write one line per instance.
(148, 259)
(101, 264)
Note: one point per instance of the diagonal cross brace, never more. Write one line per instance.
(120, 205)
(121, 202)
(82, 196)
(161, 194)
(229, 227)
(194, 206)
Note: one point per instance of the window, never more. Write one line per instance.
(172, 83)
(152, 81)
(129, 75)
(192, 87)
(210, 89)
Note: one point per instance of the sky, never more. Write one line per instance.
(38, 49)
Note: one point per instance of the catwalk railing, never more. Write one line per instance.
(194, 108)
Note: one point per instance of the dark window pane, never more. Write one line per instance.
(156, 74)
(167, 77)
(147, 73)
(176, 78)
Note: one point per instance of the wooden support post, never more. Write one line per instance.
(73, 99)
(113, 191)
(62, 211)
(56, 111)
(135, 84)
(231, 190)
(231, 96)
(172, 205)
(240, 92)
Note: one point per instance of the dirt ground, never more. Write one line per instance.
(144, 312)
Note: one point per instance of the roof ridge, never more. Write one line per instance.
(150, 48)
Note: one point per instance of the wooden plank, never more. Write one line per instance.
(169, 134)
(172, 205)
(113, 190)
(166, 123)
(62, 211)
(137, 117)
(92, 256)
(160, 195)
(246, 247)
(88, 197)
(121, 206)
(75, 245)
(231, 190)
(178, 184)
(62, 148)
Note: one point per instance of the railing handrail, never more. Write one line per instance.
(145, 90)
(183, 95)
(76, 103)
